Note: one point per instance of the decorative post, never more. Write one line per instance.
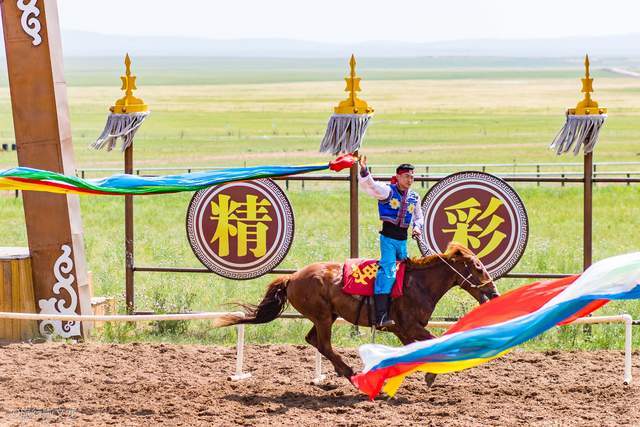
(587, 209)
(354, 221)
(43, 136)
(128, 237)
(127, 115)
(582, 128)
(345, 132)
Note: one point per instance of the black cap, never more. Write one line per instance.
(407, 166)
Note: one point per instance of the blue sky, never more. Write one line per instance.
(342, 21)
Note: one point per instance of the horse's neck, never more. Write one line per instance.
(434, 283)
(441, 290)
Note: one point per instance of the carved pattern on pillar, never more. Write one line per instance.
(64, 280)
(29, 20)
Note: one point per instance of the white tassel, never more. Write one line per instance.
(578, 131)
(122, 126)
(344, 133)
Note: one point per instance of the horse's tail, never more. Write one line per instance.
(271, 306)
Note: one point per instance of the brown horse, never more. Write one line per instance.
(316, 292)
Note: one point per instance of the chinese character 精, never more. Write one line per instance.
(244, 221)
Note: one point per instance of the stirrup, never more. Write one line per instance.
(385, 323)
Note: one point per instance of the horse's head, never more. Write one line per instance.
(471, 275)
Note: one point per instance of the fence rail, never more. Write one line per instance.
(543, 168)
(159, 269)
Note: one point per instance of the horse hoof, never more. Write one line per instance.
(430, 379)
(351, 379)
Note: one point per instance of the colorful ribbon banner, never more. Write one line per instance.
(27, 179)
(496, 327)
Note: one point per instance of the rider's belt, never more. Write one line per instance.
(392, 231)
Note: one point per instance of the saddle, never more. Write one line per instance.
(359, 276)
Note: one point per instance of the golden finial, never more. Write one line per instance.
(353, 104)
(587, 105)
(128, 103)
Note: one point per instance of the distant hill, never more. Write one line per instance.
(78, 43)
(93, 59)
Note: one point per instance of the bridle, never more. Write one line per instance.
(466, 279)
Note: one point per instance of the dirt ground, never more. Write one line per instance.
(134, 384)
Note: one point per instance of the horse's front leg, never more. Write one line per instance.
(429, 378)
(417, 334)
(321, 340)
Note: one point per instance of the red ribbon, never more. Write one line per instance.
(342, 162)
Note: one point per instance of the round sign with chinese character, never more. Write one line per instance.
(479, 211)
(240, 230)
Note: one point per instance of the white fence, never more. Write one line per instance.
(318, 376)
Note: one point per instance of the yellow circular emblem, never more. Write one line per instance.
(394, 203)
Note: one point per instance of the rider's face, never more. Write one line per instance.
(405, 180)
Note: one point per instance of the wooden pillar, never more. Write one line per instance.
(43, 136)
(128, 235)
(588, 210)
(353, 211)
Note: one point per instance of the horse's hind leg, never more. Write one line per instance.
(320, 337)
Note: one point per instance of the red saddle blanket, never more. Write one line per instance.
(359, 276)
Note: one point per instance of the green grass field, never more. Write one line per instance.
(208, 113)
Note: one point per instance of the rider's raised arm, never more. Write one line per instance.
(375, 189)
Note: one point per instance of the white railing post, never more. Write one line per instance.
(628, 325)
(239, 375)
(319, 377)
(628, 322)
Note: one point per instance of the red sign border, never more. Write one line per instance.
(289, 233)
(509, 191)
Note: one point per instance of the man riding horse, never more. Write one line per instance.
(398, 208)
(316, 290)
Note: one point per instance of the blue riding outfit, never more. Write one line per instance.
(397, 210)
(396, 213)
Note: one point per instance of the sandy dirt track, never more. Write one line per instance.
(149, 384)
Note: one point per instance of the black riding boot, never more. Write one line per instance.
(382, 311)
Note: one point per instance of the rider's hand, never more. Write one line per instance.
(416, 233)
(362, 161)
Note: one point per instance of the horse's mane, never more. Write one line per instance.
(452, 250)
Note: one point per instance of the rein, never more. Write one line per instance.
(466, 279)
